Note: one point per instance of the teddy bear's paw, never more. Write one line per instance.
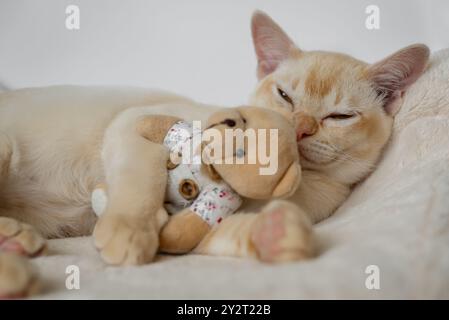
(125, 239)
(282, 232)
(20, 238)
(17, 277)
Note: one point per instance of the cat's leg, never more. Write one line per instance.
(20, 238)
(136, 175)
(6, 150)
(17, 277)
(15, 236)
(280, 232)
(17, 241)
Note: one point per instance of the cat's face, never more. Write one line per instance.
(342, 108)
(339, 120)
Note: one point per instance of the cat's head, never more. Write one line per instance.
(342, 108)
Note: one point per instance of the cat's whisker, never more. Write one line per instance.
(344, 156)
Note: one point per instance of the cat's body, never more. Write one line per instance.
(342, 109)
(56, 164)
(56, 150)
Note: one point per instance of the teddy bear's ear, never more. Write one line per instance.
(289, 182)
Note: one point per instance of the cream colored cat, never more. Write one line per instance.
(54, 141)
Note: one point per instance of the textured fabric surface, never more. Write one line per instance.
(397, 219)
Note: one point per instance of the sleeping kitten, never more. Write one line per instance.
(52, 141)
(343, 110)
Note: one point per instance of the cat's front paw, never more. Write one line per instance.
(126, 239)
(17, 277)
(20, 238)
(282, 232)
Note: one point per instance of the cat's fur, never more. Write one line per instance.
(337, 151)
(54, 141)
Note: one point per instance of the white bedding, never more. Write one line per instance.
(398, 219)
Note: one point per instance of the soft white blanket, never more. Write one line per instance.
(397, 220)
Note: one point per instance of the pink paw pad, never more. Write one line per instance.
(268, 234)
(13, 297)
(12, 246)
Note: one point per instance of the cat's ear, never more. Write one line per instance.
(271, 43)
(394, 74)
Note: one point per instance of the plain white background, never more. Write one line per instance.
(198, 48)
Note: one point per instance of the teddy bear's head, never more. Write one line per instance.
(254, 150)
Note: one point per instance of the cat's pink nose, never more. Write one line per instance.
(306, 126)
(300, 134)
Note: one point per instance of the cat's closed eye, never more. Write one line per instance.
(285, 96)
(340, 116)
(340, 119)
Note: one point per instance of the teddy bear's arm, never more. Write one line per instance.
(186, 229)
(182, 232)
(155, 127)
